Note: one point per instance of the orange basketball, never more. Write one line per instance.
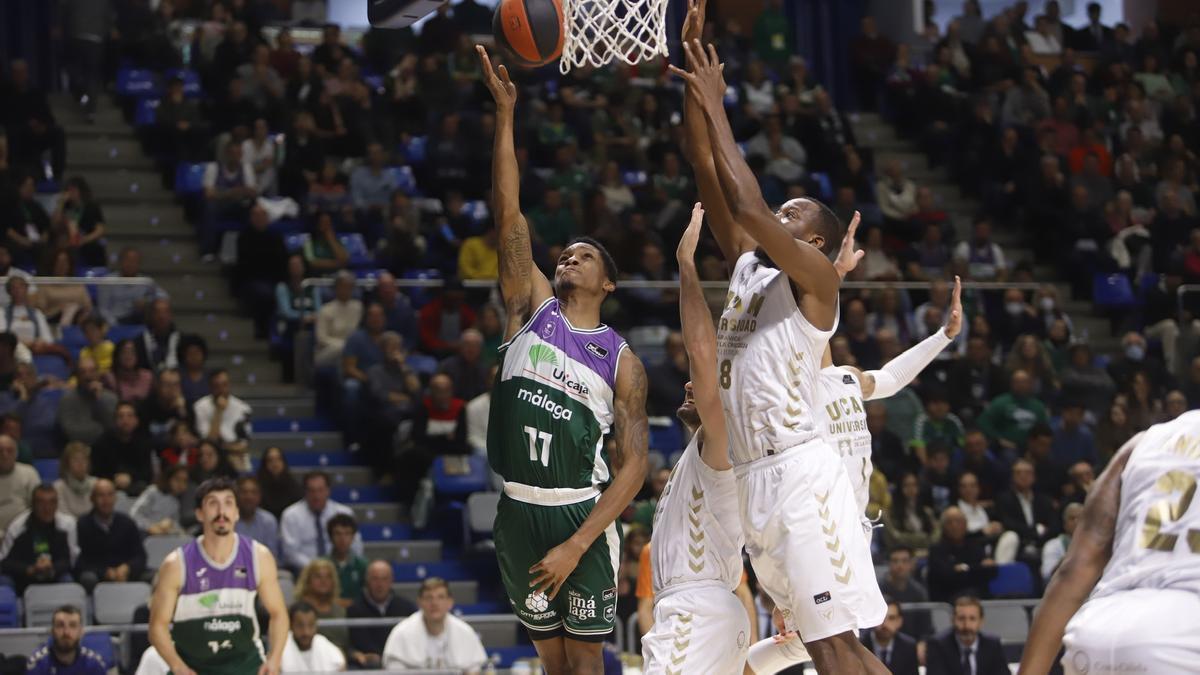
(529, 31)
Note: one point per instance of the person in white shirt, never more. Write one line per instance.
(302, 530)
(336, 320)
(1042, 40)
(1056, 549)
(307, 651)
(21, 318)
(981, 521)
(477, 417)
(224, 419)
(433, 638)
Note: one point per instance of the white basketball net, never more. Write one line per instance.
(597, 31)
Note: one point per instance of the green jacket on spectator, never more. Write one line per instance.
(1008, 418)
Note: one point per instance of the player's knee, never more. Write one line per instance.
(584, 658)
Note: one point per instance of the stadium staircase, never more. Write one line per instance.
(874, 132)
(140, 212)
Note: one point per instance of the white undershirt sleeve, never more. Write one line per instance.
(897, 373)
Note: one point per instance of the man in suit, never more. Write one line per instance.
(894, 649)
(1030, 514)
(377, 600)
(1095, 36)
(964, 650)
(958, 565)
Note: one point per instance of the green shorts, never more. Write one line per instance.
(586, 606)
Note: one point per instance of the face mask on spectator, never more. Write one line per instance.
(1047, 304)
(1135, 352)
(1014, 308)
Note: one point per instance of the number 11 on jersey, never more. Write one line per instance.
(537, 438)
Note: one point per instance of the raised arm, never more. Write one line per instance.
(1091, 548)
(811, 271)
(522, 284)
(700, 340)
(162, 610)
(632, 434)
(698, 151)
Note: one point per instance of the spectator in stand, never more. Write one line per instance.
(126, 304)
(62, 304)
(1009, 417)
(78, 223)
(1030, 355)
(294, 309)
(898, 583)
(255, 522)
(897, 198)
(110, 545)
(362, 351)
(936, 425)
(478, 259)
(1073, 441)
(979, 258)
(785, 156)
(872, 53)
(937, 483)
(317, 585)
(65, 653)
(99, 348)
(965, 648)
(396, 307)
(433, 637)
(668, 378)
(553, 223)
(224, 419)
(1030, 514)
(29, 121)
(957, 564)
(41, 553)
(1086, 382)
(443, 319)
(164, 407)
(1174, 405)
(910, 523)
(323, 251)
(326, 190)
(478, 412)
(159, 509)
(466, 369)
(75, 482)
(280, 489)
(371, 185)
(302, 527)
(127, 379)
(975, 379)
(439, 430)
(191, 353)
(263, 88)
(1051, 476)
(22, 318)
(773, 36)
(351, 567)
(981, 519)
(1133, 359)
(36, 402)
(1042, 39)
(377, 600)
(158, 346)
(306, 650)
(1026, 104)
(180, 124)
(394, 391)
(1055, 550)
(261, 264)
(336, 320)
(230, 188)
(861, 342)
(888, 451)
(17, 482)
(124, 453)
(895, 650)
(6, 262)
(86, 411)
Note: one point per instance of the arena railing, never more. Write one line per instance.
(86, 281)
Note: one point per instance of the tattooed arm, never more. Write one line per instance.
(522, 284)
(632, 434)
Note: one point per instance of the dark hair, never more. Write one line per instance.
(889, 601)
(188, 341)
(124, 404)
(8, 340)
(95, 321)
(829, 227)
(300, 607)
(164, 477)
(901, 548)
(900, 505)
(937, 448)
(117, 353)
(215, 372)
(80, 183)
(966, 599)
(317, 473)
(45, 487)
(219, 484)
(610, 265)
(341, 520)
(68, 609)
(1041, 429)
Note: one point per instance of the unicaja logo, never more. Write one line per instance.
(539, 354)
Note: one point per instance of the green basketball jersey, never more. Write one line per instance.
(552, 403)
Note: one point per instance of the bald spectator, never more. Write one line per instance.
(378, 600)
(466, 368)
(17, 482)
(439, 430)
(157, 346)
(399, 311)
(110, 545)
(88, 410)
(958, 564)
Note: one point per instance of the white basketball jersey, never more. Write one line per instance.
(769, 361)
(1157, 542)
(697, 531)
(844, 424)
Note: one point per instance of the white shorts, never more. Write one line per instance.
(767, 657)
(1144, 630)
(804, 534)
(699, 628)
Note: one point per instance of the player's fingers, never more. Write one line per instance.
(712, 55)
(483, 58)
(854, 224)
(678, 71)
(858, 255)
(557, 587)
(504, 74)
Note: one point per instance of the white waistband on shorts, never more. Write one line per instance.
(699, 584)
(777, 457)
(549, 496)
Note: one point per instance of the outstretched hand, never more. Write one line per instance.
(504, 92)
(954, 323)
(705, 80)
(848, 257)
(693, 23)
(686, 251)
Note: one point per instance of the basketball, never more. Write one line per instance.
(529, 31)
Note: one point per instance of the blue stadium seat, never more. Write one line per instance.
(422, 364)
(824, 184)
(295, 242)
(101, 643)
(146, 113)
(420, 296)
(302, 458)
(92, 272)
(405, 179)
(10, 613)
(450, 571)
(374, 82)
(635, 178)
(1113, 291)
(356, 247)
(666, 439)
(137, 82)
(510, 655)
(286, 226)
(52, 365)
(475, 480)
(125, 332)
(385, 531)
(362, 493)
(189, 178)
(47, 469)
(476, 210)
(285, 424)
(480, 608)
(1013, 580)
(414, 150)
(191, 81)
